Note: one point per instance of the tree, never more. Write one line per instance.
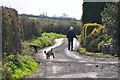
(91, 12)
(10, 31)
(64, 15)
(110, 18)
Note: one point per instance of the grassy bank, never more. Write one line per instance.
(98, 55)
(45, 40)
(18, 66)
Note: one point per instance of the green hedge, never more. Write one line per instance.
(93, 37)
(90, 30)
(94, 43)
(45, 40)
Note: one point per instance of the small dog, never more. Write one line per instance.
(49, 53)
(35, 48)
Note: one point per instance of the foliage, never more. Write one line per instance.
(94, 43)
(98, 54)
(91, 12)
(59, 26)
(110, 33)
(10, 31)
(83, 50)
(108, 15)
(28, 28)
(90, 30)
(110, 18)
(45, 40)
(0, 70)
(93, 37)
(18, 66)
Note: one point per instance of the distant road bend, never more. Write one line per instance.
(71, 64)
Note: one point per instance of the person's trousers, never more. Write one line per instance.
(70, 45)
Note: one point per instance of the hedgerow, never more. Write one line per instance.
(45, 40)
(93, 37)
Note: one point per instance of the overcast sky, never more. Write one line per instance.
(73, 8)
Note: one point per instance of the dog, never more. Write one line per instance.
(49, 53)
(35, 48)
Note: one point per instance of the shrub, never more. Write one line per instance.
(18, 67)
(45, 40)
(91, 29)
(94, 43)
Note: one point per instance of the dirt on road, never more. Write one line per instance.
(71, 64)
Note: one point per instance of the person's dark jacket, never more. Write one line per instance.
(71, 35)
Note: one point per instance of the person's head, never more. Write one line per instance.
(71, 28)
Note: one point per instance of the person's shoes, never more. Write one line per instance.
(71, 49)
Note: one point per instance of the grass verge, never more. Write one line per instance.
(18, 66)
(99, 55)
(45, 40)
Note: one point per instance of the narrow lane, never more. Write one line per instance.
(70, 64)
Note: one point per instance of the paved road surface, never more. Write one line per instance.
(70, 64)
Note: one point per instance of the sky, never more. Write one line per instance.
(73, 8)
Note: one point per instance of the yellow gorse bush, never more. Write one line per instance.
(98, 30)
(93, 28)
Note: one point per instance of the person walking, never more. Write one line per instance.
(70, 36)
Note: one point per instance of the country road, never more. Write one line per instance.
(71, 64)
